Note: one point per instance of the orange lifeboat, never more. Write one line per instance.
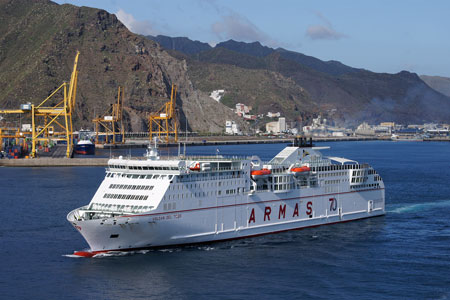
(300, 170)
(196, 167)
(260, 174)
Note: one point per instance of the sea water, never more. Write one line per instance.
(403, 255)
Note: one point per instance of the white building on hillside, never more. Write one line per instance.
(217, 95)
(273, 115)
(232, 128)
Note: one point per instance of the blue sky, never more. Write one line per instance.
(381, 36)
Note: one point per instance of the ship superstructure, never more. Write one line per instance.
(151, 202)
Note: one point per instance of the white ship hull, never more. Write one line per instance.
(229, 218)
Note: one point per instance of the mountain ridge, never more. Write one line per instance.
(438, 83)
(348, 95)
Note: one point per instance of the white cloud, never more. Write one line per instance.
(212, 43)
(237, 27)
(140, 27)
(323, 32)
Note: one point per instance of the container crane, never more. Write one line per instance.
(164, 121)
(111, 122)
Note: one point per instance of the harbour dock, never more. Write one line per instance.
(54, 162)
(224, 140)
(58, 160)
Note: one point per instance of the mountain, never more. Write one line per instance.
(181, 44)
(344, 94)
(252, 49)
(440, 84)
(258, 50)
(39, 40)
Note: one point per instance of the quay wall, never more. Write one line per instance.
(54, 162)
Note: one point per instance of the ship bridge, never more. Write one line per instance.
(128, 165)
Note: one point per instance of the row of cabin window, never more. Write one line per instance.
(143, 168)
(212, 175)
(113, 207)
(358, 173)
(337, 167)
(201, 194)
(152, 168)
(125, 197)
(359, 179)
(219, 177)
(231, 192)
(372, 171)
(335, 181)
(279, 170)
(136, 176)
(377, 178)
(118, 207)
(131, 187)
(282, 187)
(332, 174)
(280, 179)
(370, 185)
(204, 185)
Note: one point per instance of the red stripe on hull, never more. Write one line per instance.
(81, 152)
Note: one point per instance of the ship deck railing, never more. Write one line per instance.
(99, 213)
(209, 178)
(190, 157)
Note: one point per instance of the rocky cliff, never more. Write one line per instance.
(38, 42)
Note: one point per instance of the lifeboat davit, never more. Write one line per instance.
(260, 174)
(300, 170)
(196, 167)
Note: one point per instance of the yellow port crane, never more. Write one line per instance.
(111, 122)
(164, 121)
(59, 114)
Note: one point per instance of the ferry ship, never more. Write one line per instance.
(85, 147)
(154, 201)
(84, 144)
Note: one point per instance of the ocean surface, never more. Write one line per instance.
(403, 255)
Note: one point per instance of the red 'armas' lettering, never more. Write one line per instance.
(295, 210)
(267, 212)
(309, 208)
(252, 216)
(282, 211)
